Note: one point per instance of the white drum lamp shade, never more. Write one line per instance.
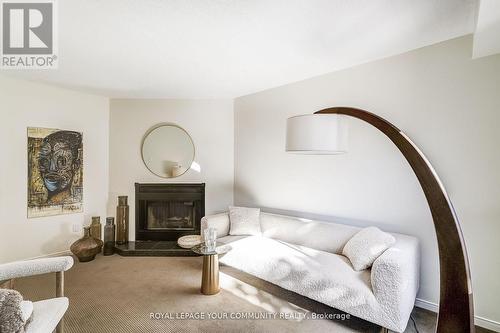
(317, 134)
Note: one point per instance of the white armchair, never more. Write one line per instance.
(47, 314)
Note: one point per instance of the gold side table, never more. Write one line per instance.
(210, 271)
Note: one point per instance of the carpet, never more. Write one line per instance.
(161, 294)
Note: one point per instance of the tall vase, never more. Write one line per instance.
(122, 220)
(95, 227)
(86, 248)
(109, 237)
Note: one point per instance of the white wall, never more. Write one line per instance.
(25, 104)
(486, 41)
(211, 126)
(446, 102)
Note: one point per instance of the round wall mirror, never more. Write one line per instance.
(167, 150)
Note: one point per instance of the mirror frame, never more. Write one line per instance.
(151, 129)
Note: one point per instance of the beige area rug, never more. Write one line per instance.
(120, 294)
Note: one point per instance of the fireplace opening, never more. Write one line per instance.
(165, 215)
(165, 212)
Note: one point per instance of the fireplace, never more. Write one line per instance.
(165, 212)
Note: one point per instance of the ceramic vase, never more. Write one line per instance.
(122, 221)
(86, 248)
(109, 237)
(95, 227)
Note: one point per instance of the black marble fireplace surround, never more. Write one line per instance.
(163, 213)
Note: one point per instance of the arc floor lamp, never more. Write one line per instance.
(325, 132)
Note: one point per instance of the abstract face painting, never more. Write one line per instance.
(55, 172)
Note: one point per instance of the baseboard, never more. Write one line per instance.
(423, 304)
(55, 254)
(479, 321)
(487, 323)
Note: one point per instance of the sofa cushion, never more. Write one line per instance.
(366, 246)
(322, 276)
(325, 277)
(47, 314)
(244, 221)
(26, 310)
(325, 236)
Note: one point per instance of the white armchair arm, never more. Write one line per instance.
(24, 268)
(395, 279)
(217, 221)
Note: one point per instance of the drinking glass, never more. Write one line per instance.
(210, 235)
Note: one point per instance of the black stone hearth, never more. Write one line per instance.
(163, 213)
(153, 249)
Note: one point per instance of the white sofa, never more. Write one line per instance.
(304, 256)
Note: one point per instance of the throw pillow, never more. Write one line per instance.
(366, 246)
(244, 221)
(14, 312)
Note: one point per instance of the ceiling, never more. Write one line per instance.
(230, 48)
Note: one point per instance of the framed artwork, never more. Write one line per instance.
(55, 172)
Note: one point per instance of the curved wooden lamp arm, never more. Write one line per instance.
(456, 309)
